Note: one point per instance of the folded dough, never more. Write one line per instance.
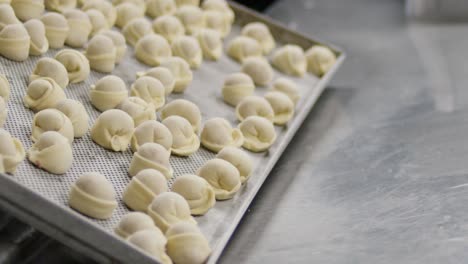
(181, 72)
(51, 120)
(158, 8)
(287, 87)
(7, 16)
(218, 21)
(43, 93)
(76, 64)
(186, 244)
(77, 114)
(101, 53)
(60, 5)
(119, 43)
(51, 68)
(240, 159)
(211, 43)
(217, 133)
(4, 87)
(222, 176)
(80, 28)
(282, 106)
(153, 243)
(133, 222)
(151, 131)
(14, 42)
(138, 109)
(52, 152)
(56, 27)
(93, 195)
(236, 87)
(187, 48)
(28, 9)
(185, 109)
(162, 74)
(259, 133)
(136, 29)
(254, 106)
(169, 208)
(242, 47)
(259, 69)
(126, 12)
(260, 32)
(113, 130)
(191, 17)
(108, 92)
(105, 7)
(3, 111)
(143, 188)
(181, 3)
(11, 151)
(152, 49)
(39, 43)
(169, 27)
(98, 21)
(184, 140)
(320, 60)
(221, 6)
(199, 194)
(150, 89)
(151, 156)
(290, 59)
(140, 3)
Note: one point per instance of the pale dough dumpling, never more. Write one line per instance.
(11, 151)
(152, 49)
(3, 111)
(136, 29)
(187, 48)
(185, 109)
(217, 20)
(287, 87)
(101, 53)
(143, 188)
(186, 244)
(196, 190)
(211, 43)
(140, 3)
(113, 130)
(240, 159)
(217, 133)
(320, 60)
(43, 93)
(133, 222)
(151, 156)
(52, 152)
(260, 32)
(158, 8)
(180, 3)
(220, 6)
(184, 140)
(254, 106)
(37, 32)
(259, 69)
(77, 114)
(60, 5)
(151, 131)
(14, 42)
(191, 17)
(80, 28)
(27, 9)
(222, 176)
(126, 12)
(163, 75)
(181, 72)
(56, 27)
(169, 208)
(283, 107)
(290, 59)
(51, 120)
(153, 243)
(105, 7)
(4, 87)
(51, 68)
(108, 92)
(150, 89)
(259, 133)
(138, 109)
(7, 16)
(98, 21)
(76, 64)
(169, 27)
(119, 43)
(236, 87)
(242, 47)
(93, 195)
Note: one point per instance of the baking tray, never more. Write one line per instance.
(40, 198)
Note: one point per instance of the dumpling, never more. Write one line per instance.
(242, 47)
(3, 111)
(80, 28)
(218, 133)
(287, 87)
(27, 9)
(140, 3)
(260, 32)
(14, 42)
(52, 152)
(196, 190)
(93, 195)
(169, 27)
(126, 12)
(152, 49)
(11, 151)
(150, 89)
(75, 63)
(7, 16)
(181, 72)
(211, 43)
(283, 107)
(254, 106)
(184, 140)
(258, 69)
(60, 5)
(186, 244)
(113, 130)
(51, 68)
(56, 27)
(259, 133)
(191, 17)
(187, 48)
(320, 60)
(240, 159)
(119, 43)
(43, 93)
(39, 43)
(153, 243)
(138, 109)
(133, 222)
(217, 21)
(151, 131)
(98, 21)
(4, 87)
(105, 7)
(220, 6)
(158, 8)
(181, 3)
(169, 208)
(222, 176)
(77, 114)
(51, 120)
(143, 188)
(136, 29)
(163, 75)
(101, 54)
(108, 92)
(185, 109)
(290, 59)
(236, 87)
(151, 156)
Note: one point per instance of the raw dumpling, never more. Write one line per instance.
(287, 87)
(185, 109)
(187, 48)
(239, 159)
(217, 21)
(11, 151)
(191, 17)
(133, 222)
(258, 69)
(80, 28)
(290, 59)
(37, 32)
(52, 152)
(282, 106)
(211, 43)
(169, 208)
(75, 63)
(254, 106)
(181, 72)
(77, 114)
(242, 47)
(98, 21)
(169, 27)
(138, 109)
(113, 130)
(152, 49)
(101, 54)
(14, 42)
(259, 133)
(4, 87)
(119, 43)
(158, 8)
(43, 93)
(222, 176)
(151, 131)
(181, 3)
(27, 9)
(184, 139)
(320, 60)
(3, 111)
(163, 75)
(236, 87)
(151, 156)
(56, 27)
(140, 3)
(153, 243)
(186, 244)
(7, 16)
(143, 188)
(220, 6)
(136, 29)
(218, 133)
(108, 92)
(51, 120)
(196, 190)
(126, 12)
(93, 195)
(60, 5)
(51, 68)
(260, 32)
(150, 89)
(106, 8)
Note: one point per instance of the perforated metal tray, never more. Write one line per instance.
(40, 198)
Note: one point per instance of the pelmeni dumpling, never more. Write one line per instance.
(27, 9)
(60, 5)
(11, 151)
(138, 109)
(151, 131)
(140, 3)
(7, 16)
(51, 152)
(93, 195)
(151, 156)
(196, 190)
(37, 32)
(150, 89)
(56, 27)
(77, 114)
(133, 222)
(222, 176)
(181, 3)
(181, 72)
(76, 64)
(254, 106)
(240, 159)
(51, 120)
(320, 60)
(158, 8)
(113, 130)
(51, 68)
(259, 133)
(287, 87)
(143, 188)
(191, 17)
(163, 75)
(187, 48)
(14, 42)
(80, 28)
(290, 59)
(169, 208)
(211, 43)
(260, 32)
(242, 47)
(186, 244)
(98, 21)
(43, 93)
(217, 133)
(106, 8)
(136, 29)
(3, 111)
(152, 49)
(4, 87)
(108, 92)
(169, 27)
(236, 87)
(185, 109)
(101, 54)
(119, 43)
(217, 21)
(220, 6)
(282, 106)
(153, 243)
(126, 12)
(259, 69)
(184, 140)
